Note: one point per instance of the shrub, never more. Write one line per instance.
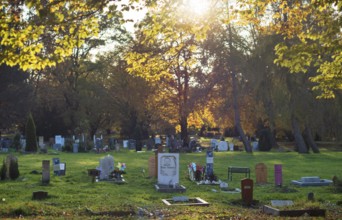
(16, 142)
(13, 168)
(31, 138)
(3, 171)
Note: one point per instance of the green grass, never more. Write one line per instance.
(74, 196)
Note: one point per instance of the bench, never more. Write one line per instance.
(232, 170)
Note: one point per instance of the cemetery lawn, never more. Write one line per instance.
(74, 196)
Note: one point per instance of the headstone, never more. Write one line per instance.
(125, 143)
(157, 141)
(23, 143)
(152, 167)
(210, 163)
(131, 144)
(278, 176)
(247, 191)
(98, 144)
(231, 146)
(222, 146)
(255, 146)
(58, 140)
(281, 203)
(46, 172)
(62, 169)
(75, 147)
(56, 166)
(213, 143)
(168, 169)
(38, 195)
(261, 173)
(311, 179)
(12, 172)
(41, 142)
(106, 167)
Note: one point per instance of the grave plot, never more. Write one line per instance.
(168, 173)
(312, 181)
(208, 176)
(107, 172)
(288, 208)
(185, 201)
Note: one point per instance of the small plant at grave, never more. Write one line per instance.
(31, 137)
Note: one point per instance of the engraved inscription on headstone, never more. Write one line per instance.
(168, 168)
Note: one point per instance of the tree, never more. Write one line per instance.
(167, 55)
(16, 94)
(26, 25)
(31, 137)
(313, 38)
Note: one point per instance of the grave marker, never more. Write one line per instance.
(247, 191)
(261, 173)
(222, 146)
(168, 168)
(278, 176)
(38, 195)
(56, 166)
(152, 167)
(106, 167)
(168, 173)
(210, 163)
(46, 171)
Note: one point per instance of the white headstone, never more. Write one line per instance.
(231, 146)
(125, 143)
(41, 142)
(106, 167)
(157, 140)
(213, 143)
(222, 146)
(59, 140)
(168, 168)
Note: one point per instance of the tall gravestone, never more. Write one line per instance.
(152, 167)
(247, 191)
(278, 175)
(46, 172)
(261, 173)
(210, 163)
(106, 167)
(168, 169)
(56, 166)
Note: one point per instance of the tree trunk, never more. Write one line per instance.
(309, 139)
(237, 120)
(184, 130)
(300, 143)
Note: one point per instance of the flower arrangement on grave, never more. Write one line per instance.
(196, 171)
(118, 171)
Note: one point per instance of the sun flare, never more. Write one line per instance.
(198, 6)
